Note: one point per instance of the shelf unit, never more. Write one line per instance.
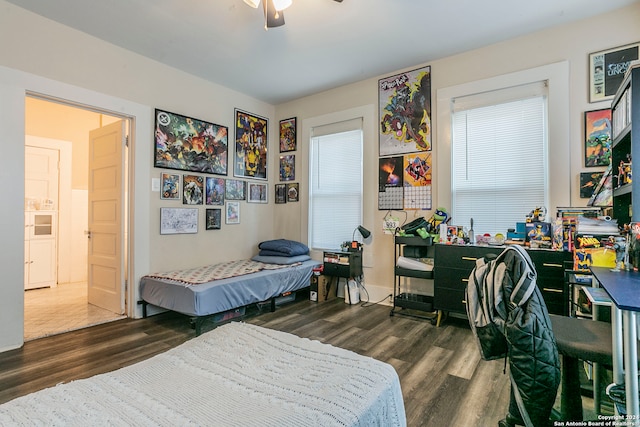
(625, 116)
(409, 300)
(40, 266)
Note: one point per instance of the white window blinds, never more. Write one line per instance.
(499, 157)
(335, 185)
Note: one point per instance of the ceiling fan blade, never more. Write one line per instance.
(272, 17)
(339, 1)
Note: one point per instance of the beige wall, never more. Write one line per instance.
(570, 43)
(49, 58)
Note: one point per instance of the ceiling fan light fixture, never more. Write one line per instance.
(281, 4)
(253, 3)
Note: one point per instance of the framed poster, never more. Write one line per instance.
(597, 138)
(288, 167)
(192, 189)
(251, 146)
(213, 219)
(214, 190)
(190, 144)
(178, 220)
(293, 192)
(234, 189)
(232, 213)
(588, 183)
(404, 108)
(257, 193)
(288, 135)
(281, 193)
(170, 187)
(607, 68)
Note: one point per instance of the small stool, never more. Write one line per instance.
(580, 339)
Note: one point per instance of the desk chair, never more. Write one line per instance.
(580, 339)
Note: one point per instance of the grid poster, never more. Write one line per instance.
(405, 182)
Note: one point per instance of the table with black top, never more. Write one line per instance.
(624, 289)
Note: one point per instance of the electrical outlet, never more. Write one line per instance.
(390, 296)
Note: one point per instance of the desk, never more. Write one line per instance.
(624, 289)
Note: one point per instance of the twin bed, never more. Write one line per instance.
(235, 375)
(280, 268)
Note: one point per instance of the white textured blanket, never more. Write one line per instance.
(236, 375)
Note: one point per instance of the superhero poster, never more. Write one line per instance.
(405, 112)
(251, 146)
(189, 144)
(417, 170)
(597, 132)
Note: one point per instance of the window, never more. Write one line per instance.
(335, 184)
(499, 157)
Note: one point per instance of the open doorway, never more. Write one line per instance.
(60, 133)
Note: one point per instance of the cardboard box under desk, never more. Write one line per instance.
(319, 291)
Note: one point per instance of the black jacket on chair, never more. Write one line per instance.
(505, 291)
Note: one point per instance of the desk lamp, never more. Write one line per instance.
(355, 245)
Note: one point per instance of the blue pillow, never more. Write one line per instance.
(285, 260)
(283, 247)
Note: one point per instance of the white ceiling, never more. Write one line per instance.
(324, 44)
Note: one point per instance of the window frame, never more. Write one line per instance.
(559, 158)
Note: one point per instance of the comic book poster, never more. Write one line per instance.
(405, 112)
(417, 181)
(189, 144)
(214, 189)
(251, 146)
(597, 132)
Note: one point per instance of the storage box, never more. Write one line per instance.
(593, 250)
(228, 315)
(320, 290)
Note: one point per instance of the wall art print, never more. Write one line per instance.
(607, 68)
(178, 220)
(588, 183)
(213, 219)
(232, 213)
(288, 135)
(257, 193)
(190, 144)
(235, 189)
(405, 112)
(288, 167)
(170, 187)
(597, 134)
(214, 190)
(251, 145)
(192, 189)
(293, 192)
(281, 193)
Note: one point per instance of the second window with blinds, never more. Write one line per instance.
(499, 156)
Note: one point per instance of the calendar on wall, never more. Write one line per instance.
(405, 182)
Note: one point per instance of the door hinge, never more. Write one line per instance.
(126, 141)
(126, 285)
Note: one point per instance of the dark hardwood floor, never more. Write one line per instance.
(443, 380)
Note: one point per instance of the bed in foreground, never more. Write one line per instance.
(235, 375)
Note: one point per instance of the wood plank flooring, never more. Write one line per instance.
(443, 380)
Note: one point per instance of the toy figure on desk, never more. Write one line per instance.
(620, 246)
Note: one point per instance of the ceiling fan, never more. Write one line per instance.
(273, 16)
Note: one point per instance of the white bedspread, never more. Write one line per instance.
(236, 375)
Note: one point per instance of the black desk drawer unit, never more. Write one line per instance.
(453, 265)
(342, 264)
(551, 279)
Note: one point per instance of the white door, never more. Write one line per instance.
(106, 215)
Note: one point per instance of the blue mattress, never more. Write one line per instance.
(225, 294)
